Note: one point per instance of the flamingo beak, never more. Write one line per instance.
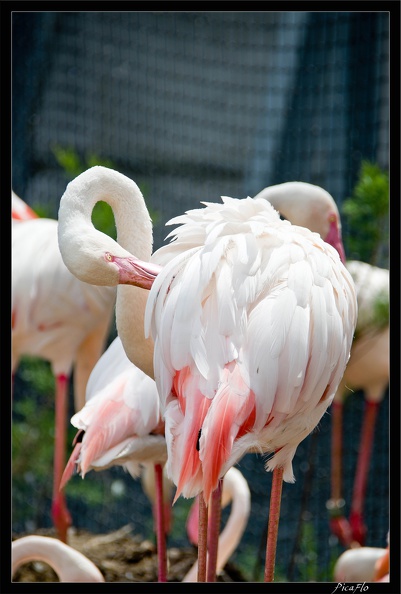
(335, 240)
(132, 271)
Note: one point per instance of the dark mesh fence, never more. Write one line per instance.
(193, 106)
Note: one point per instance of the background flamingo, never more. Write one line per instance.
(69, 564)
(368, 367)
(121, 424)
(219, 327)
(60, 319)
(368, 564)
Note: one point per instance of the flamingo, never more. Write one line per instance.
(69, 564)
(252, 320)
(368, 368)
(60, 319)
(121, 425)
(359, 563)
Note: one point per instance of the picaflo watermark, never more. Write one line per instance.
(351, 587)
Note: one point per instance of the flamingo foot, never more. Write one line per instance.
(358, 527)
(61, 517)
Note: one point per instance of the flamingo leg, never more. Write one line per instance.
(160, 527)
(339, 525)
(214, 532)
(365, 450)
(202, 539)
(60, 514)
(274, 517)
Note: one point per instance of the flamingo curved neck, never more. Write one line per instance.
(68, 563)
(83, 248)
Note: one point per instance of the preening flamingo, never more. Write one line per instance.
(252, 319)
(368, 368)
(121, 425)
(69, 564)
(60, 319)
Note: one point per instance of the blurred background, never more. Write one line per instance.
(192, 106)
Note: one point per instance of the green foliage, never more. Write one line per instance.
(73, 165)
(366, 213)
(307, 559)
(381, 310)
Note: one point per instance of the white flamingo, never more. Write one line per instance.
(252, 319)
(60, 319)
(369, 365)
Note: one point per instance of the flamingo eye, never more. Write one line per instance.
(108, 257)
(332, 218)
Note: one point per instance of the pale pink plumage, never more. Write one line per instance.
(369, 365)
(60, 319)
(121, 425)
(252, 327)
(252, 321)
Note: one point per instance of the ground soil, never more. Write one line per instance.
(121, 557)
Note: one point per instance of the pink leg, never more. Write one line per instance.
(60, 514)
(336, 505)
(365, 450)
(274, 517)
(214, 532)
(202, 539)
(160, 527)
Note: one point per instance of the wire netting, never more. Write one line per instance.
(192, 106)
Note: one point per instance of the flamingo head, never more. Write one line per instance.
(310, 206)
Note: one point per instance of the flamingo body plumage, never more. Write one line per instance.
(121, 425)
(252, 324)
(369, 366)
(121, 422)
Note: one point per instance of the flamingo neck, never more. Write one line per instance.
(83, 247)
(46, 551)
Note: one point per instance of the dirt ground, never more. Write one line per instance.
(121, 557)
